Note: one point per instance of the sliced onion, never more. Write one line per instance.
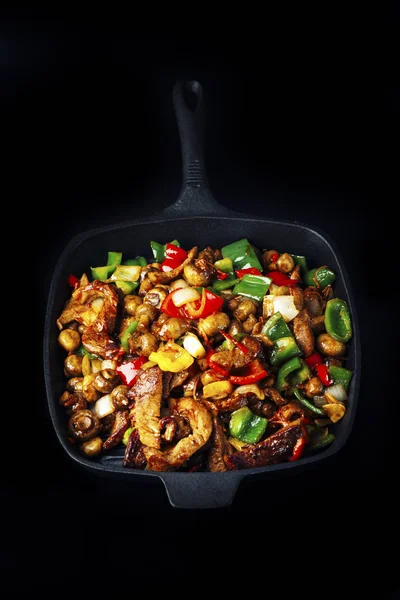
(283, 304)
(178, 284)
(104, 406)
(251, 388)
(338, 391)
(185, 295)
(192, 344)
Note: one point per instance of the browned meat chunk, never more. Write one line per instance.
(276, 448)
(219, 448)
(313, 301)
(235, 359)
(121, 424)
(147, 392)
(274, 395)
(80, 307)
(134, 457)
(99, 343)
(303, 332)
(201, 425)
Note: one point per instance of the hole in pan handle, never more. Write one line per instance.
(195, 197)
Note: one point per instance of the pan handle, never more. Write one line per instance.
(195, 197)
(201, 490)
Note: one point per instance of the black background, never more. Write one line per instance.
(301, 117)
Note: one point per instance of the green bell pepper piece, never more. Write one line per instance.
(300, 375)
(276, 328)
(323, 442)
(341, 375)
(252, 286)
(127, 334)
(337, 320)
(225, 265)
(138, 261)
(159, 250)
(283, 350)
(242, 255)
(246, 426)
(127, 435)
(114, 258)
(82, 352)
(103, 273)
(323, 275)
(284, 372)
(307, 404)
(225, 284)
(127, 287)
(302, 261)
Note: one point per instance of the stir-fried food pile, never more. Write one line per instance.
(208, 360)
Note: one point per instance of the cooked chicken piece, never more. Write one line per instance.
(235, 359)
(276, 448)
(201, 424)
(100, 316)
(147, 393)
(303, 332)
(219, 448)
(165, 276)
(121, 424)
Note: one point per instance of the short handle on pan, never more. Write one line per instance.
(195, 197)
(201, 490)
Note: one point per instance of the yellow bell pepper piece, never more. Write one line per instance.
(217, 390)
(172, 357)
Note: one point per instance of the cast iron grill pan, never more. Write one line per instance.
(195, 218)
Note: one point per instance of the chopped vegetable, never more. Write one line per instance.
(283, 373)
(279, 278)
(172, 357)
(252, 286)
(139, 260)
(341, 375)
(82, 352)
(127, 334)
(217, 389)
(103, 273)
(323, 374)
(246, 426)
(127, 435)
(283, 349)
(242, 255)
(159, 250)
(129, 370)
(192, 344)
(168, 307)
(129, 273)
(227, 283)
(276, 327)
(127, 287)
(335, 411)
(72, 280)
(298, 450)
(337, 320)
(307, 404)
(255, 372)
(214, 366)
(322, 442)
(338, 391)
(302, 261)
(184, 295)
(313, 360)
(235, 342)
(209, 304)
(250, 388)
(174, 257)
(104, 406)
(320, 277)
(283, 304)
(250, 271)
(300, 375)
(225, 265)
(237, 444)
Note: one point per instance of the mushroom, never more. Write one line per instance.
(83, 425)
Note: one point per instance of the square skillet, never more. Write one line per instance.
(196, 219)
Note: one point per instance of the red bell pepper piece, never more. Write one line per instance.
(209, 304)
(128, 371)
(255, 372)
(313, 360)
(168, 307)
(174, 257)
(274, 257)
(72, 280)
(241, 347)
(298, 449)
(221, 275)
(248, 271)
(213, 366)
(281, 279)
(323, 374)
